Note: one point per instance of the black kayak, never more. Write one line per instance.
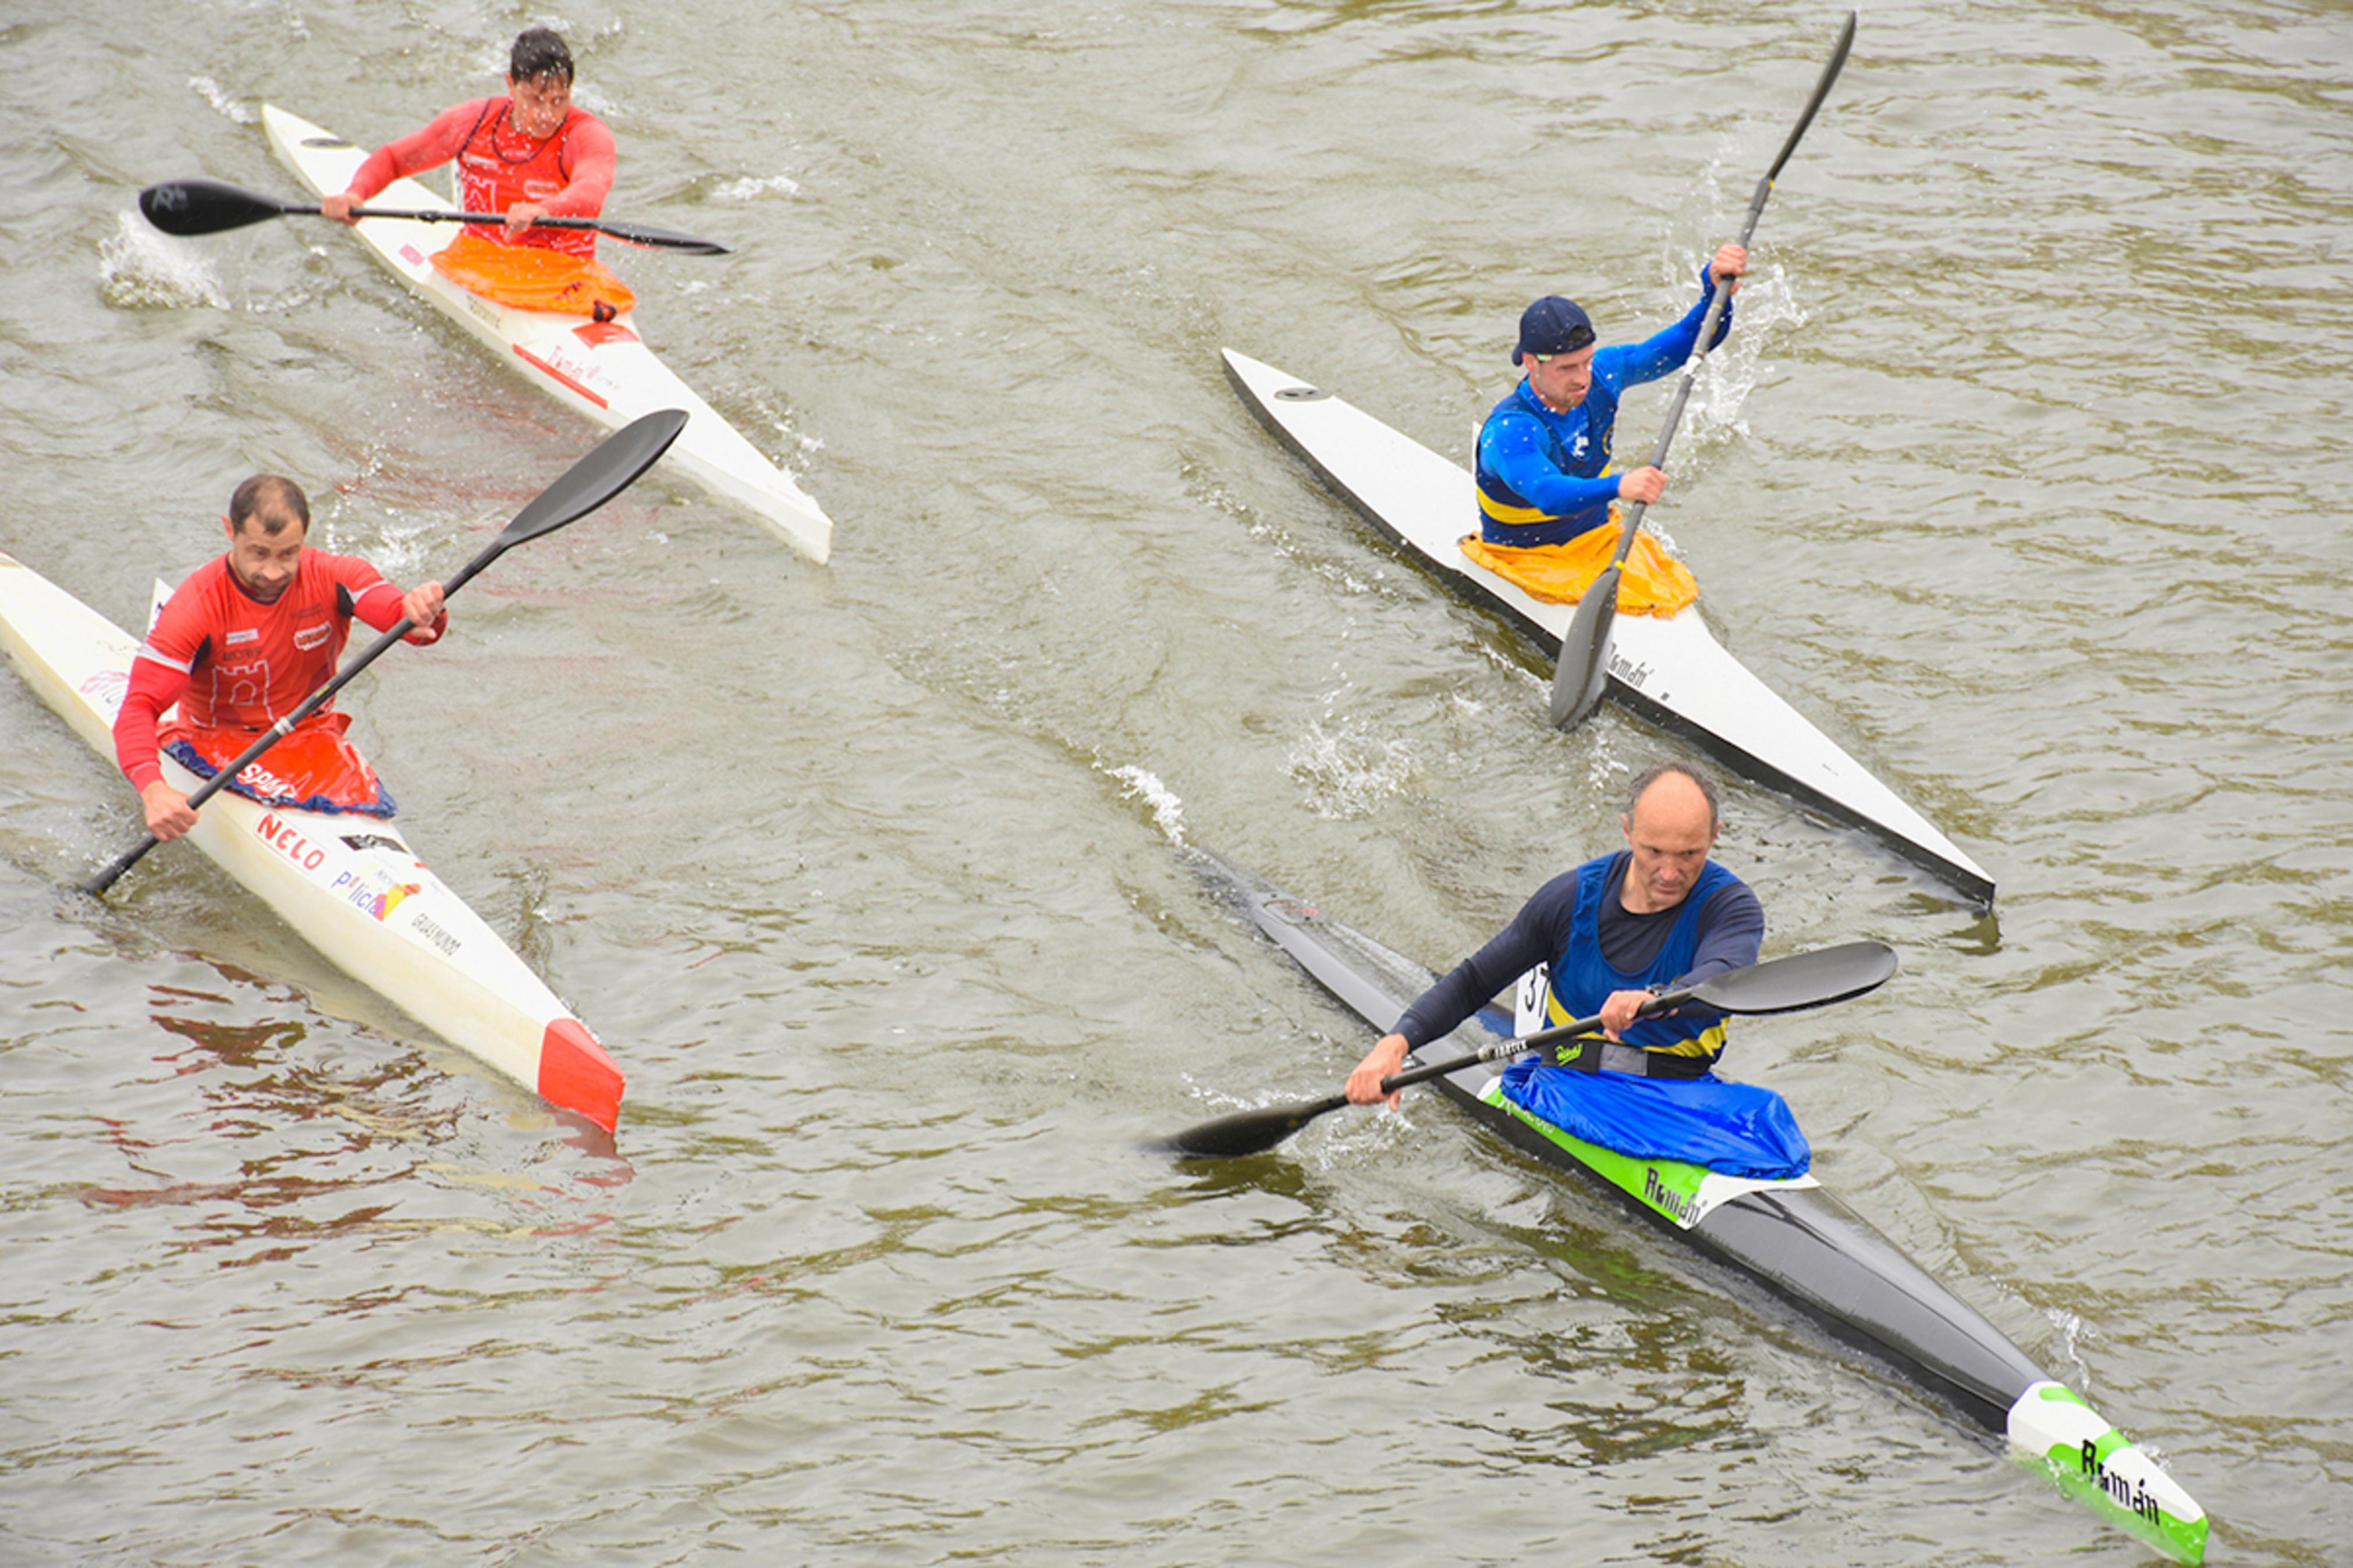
(1795, 1237)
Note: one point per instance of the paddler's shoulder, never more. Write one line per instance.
(204, 580)
(1515, 403)
(581, 127)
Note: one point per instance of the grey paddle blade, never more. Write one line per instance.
(1247, 1131)
(1584, 670)
(1814, 979)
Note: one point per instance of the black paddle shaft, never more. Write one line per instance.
(610, 467)
(1584, 650)
(1788, 985)
(1720, 296)
(189, 207)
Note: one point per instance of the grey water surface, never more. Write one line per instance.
(2025, 476)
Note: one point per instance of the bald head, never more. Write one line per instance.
(1670, 826)
(1698, 777)
(1672, 792)
(271, 502)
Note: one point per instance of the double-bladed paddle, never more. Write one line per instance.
(1584, 668)
(209, 207)
(1788, 984)
(610, 467)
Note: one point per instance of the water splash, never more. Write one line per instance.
(228, 109)
(139, 270)
(2071, 1335)
(1167, 808)
(750, 189)
(1348, 770)
(1767, 306)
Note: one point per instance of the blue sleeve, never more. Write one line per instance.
(1516, 451)
(1731, 933)
(1628, 365)
(1536, 935)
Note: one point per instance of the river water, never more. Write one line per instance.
(2025, 476)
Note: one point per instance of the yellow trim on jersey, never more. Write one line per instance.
(1517, 516)
(1708, 1043)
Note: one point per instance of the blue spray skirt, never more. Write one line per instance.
(1738, 1129)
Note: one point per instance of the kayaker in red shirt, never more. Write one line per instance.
(240, 644)
(531, 154)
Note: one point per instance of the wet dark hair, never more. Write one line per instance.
(539, 52)
(1692, 771)
(270, 500)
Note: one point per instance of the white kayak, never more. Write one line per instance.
(604, 369)
(348, 885)
(1671, 672)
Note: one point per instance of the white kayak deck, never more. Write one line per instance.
(603, 369)
(1671, 672)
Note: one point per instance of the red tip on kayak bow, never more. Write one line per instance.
(575, 1074)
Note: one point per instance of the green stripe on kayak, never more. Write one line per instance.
(1675, 1189)
(1668, 1187)
(2052, 1429)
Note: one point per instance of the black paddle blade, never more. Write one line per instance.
(611, 467)
(1247, 1131)
(208, 206)
(661, 238)
(1584, 668)
(1815, 979)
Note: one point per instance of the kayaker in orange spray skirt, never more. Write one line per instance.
(529, 154)
(244, 641)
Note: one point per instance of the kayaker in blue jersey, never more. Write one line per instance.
(1657, 913)
(1651, 918)
(1543, 452)
(1655, 916)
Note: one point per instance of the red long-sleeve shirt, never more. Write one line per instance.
(570, 172)
(230, 660)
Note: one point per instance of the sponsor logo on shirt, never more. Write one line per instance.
(245, 635)
(309, 637)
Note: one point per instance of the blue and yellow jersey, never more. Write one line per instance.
(1546, 476)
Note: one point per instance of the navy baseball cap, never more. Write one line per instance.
(1553, 326)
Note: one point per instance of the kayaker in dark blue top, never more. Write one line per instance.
(1657, 913)
(1543, 452)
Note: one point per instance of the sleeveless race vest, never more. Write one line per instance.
(500, 167)
(1507, 517)
(1581, 979)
